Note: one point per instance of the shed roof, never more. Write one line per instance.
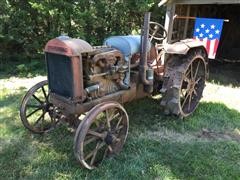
(200, 2)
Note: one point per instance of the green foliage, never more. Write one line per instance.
(26, 25)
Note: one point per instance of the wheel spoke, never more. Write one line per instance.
(191, 71)
(187, 74)
(118, 123)
(196, 73)
(91, 153)
(106, 151)
(108, 121)
(183, 92)
(44, 93)
(38, 109)
(189, 101)
(91, 132)
(33, 106)
(43, 118)
(92, 139)
(38, 120)
(53, 119)
(94, 154)
(197, 81)
(116, 139)
(110, 148)
(195, 91)
(52, 115)
(186, 78)
(35, 97)
(119, 128)
(113, 117)
(185, 100)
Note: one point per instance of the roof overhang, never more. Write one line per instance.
(162, 2)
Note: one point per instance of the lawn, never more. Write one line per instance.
(203, 146)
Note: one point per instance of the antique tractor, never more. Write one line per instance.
(87, 86)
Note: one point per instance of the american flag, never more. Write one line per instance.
(209, 32)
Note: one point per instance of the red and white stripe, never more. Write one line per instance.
(211, 46)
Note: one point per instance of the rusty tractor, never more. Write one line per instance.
(86, 86)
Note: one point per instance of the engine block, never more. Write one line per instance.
(104, 72)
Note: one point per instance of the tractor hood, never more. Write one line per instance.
(67, 46)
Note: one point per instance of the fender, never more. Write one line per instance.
(183, 46)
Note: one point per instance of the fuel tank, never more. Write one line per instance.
(128, 45)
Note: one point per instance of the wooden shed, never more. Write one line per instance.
(180, 22)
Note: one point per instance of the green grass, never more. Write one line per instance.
(203, 146)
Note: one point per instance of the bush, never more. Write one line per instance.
(26, 25)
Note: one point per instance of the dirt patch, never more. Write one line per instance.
(208, 134)
(202, 136)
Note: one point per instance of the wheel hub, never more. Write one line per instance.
(109, 138)
(47, 107)
(191, 85)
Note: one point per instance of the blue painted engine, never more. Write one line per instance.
(128, 46)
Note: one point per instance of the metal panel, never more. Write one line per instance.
(68, 47)
(65, 76)
(77, 78)
(60, 76)
(204, 1)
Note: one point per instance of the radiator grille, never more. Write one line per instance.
(60, 75)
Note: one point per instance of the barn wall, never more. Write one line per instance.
(229, 47)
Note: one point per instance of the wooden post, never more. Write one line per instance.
(169, 21)
(186, 22)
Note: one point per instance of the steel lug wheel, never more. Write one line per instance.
(184, 82)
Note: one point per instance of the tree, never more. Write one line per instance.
(29, 24)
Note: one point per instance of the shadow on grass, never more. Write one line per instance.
(51, 155)
(14, 99)
(147, 114)
(225, 73)
(23, 69)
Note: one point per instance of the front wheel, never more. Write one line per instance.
(37, 114)
(102, 133)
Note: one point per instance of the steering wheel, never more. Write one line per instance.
(157, 31)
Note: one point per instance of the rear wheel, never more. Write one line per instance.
(184, 82)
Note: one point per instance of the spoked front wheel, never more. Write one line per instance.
(102, 133)
(37, 114)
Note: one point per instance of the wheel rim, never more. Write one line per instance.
(101, 134)
(37, 113)
(192, 86)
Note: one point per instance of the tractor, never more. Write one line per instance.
(87, 86)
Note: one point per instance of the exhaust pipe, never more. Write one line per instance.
(146, 73)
